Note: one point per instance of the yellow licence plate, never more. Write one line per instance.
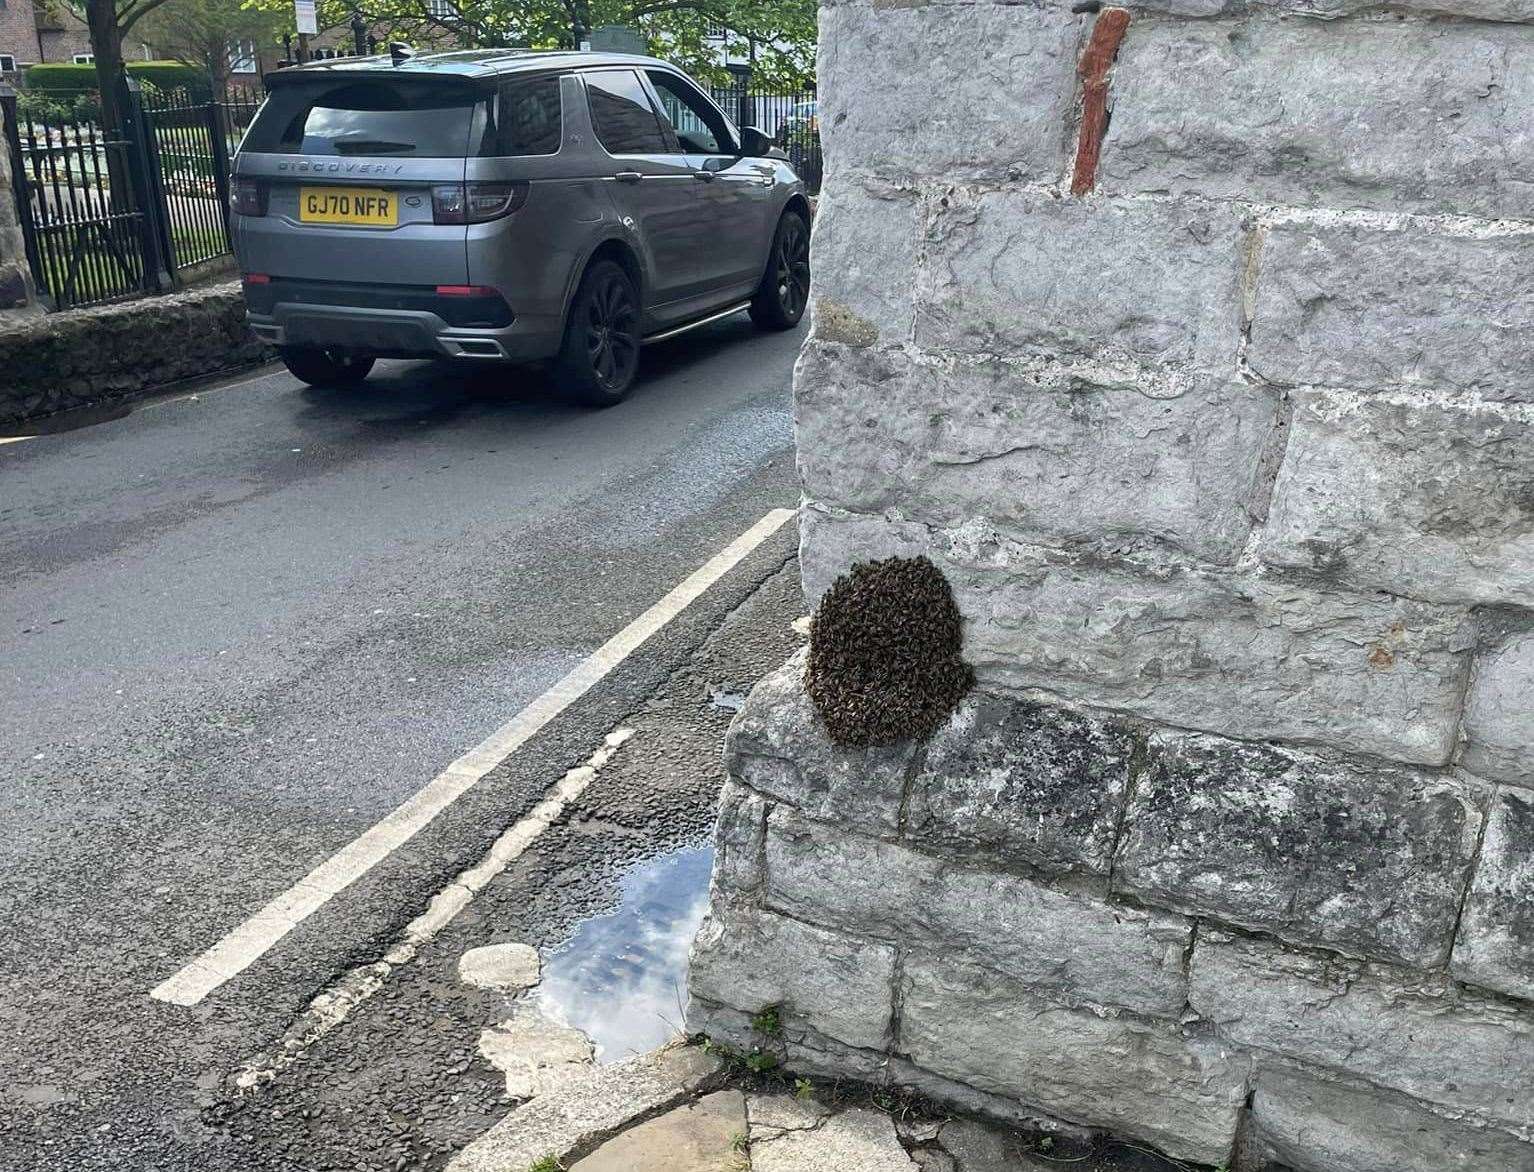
(348, 205)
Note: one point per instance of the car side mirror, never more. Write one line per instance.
(753, 143)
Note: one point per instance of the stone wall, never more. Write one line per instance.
(15, 275)
(1194, 342)
(83, 357)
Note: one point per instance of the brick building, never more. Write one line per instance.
(32, 32)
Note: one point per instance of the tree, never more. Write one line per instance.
(207, 33)
(109, 21)
(779, 35)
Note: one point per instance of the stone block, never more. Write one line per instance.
(1398, 115)
(739, 837)
(1148, 286)
(1415, 1033)
(1365, 858)
(1234, 654)
(1064, 461)
(778, 745)
(1079, 947)
(797, 1048)
(1499, 720)
(752, 959)
(1312, 1125)
(1496, 934)
(1024, 782)
(1424, 499)
(1151, 1080)
(863, 249)
(881, 73)
(1356, 308)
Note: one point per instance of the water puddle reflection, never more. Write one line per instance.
(622, 978)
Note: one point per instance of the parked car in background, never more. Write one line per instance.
(508, 206)
(799, 137)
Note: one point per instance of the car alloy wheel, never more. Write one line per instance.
(792, 262)
(612, 331)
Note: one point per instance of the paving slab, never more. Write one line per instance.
(588, 1107)
(706, 1136)
(852, 1141)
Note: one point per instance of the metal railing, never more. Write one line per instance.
(788, 117)
(107, 213)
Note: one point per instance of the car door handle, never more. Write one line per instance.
(706, 176)
(629, 176)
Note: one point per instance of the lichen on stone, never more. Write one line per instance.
(884, 661)
(834, 322)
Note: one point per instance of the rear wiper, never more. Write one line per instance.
(369, 146)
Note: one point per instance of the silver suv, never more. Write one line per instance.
(507, 206)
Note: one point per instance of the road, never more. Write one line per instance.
(241, 626)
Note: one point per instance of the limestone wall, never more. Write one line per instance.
(1216, 413)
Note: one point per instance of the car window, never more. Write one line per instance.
(621, 114)
(527, 118)
(698, 126)
(414, 119)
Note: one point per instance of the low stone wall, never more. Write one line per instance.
(1049, 914)
(1191, 341)
(80, 358)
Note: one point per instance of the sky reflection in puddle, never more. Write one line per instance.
(622, 978)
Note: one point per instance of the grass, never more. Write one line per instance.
(549, 1163)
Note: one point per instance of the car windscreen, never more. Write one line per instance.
(423, 120)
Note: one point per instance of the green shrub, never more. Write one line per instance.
(57, 81)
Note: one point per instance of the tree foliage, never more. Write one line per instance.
(207, 33)
(778, 34)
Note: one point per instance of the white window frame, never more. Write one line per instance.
(442, 9)
(242, 57)
(7, 63)
(84, 59)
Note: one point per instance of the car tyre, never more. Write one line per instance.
(784, 293)
(324, 368)
(600, 354)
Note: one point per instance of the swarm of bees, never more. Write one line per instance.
(884, 661)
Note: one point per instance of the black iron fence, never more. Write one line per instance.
(110, 213)
(789, 117)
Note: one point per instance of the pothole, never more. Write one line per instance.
(622, 977)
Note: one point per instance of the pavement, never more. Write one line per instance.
(241, 625)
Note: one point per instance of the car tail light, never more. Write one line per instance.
(476, 203)
(248, 197)
(256, 279)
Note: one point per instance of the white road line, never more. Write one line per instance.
(333, 1006)
(247, 943)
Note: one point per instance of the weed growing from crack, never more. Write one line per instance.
(549, 1163)
(768, 1022)
(803, 1089)
(884, 660)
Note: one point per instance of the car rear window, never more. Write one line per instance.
(360, 117)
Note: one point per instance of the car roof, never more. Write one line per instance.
(468, 63)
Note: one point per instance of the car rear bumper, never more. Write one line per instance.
(395, 321)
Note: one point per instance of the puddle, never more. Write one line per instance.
(622, 978)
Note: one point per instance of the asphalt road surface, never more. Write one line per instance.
(239, 627)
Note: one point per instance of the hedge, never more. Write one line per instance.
(61, 81)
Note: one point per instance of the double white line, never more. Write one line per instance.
(251, 940)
